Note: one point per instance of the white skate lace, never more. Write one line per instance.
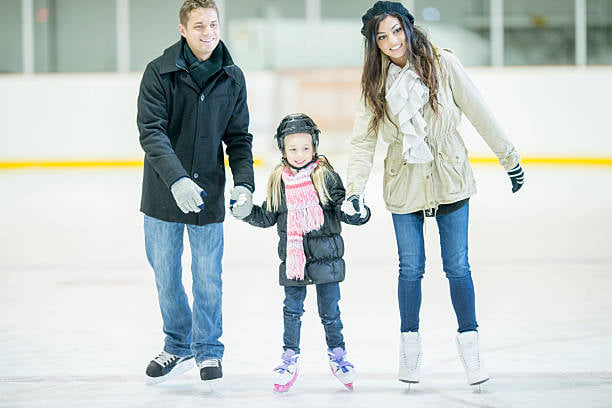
(411, 360)
(211, 362)
(471, 361)
(164, 358)
(412, 363)
(471, 357)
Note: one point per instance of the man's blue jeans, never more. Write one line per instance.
(188, 334)
(453, 229)
(328, 296)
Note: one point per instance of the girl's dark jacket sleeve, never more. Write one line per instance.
(324, 248)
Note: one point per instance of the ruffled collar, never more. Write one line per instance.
(406, 95)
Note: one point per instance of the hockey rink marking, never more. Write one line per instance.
(580, 375)
(71, 378)
(455, 399)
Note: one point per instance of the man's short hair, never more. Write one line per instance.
(189, 5)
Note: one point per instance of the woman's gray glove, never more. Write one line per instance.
(517, 177)
(188, 195)
(241, 201)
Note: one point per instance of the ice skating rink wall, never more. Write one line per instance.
(548, 112)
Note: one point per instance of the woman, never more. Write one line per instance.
(413, 95)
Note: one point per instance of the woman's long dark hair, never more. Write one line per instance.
(421, 56)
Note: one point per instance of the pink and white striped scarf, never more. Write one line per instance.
(304, 214)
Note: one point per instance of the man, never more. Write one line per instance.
(192, 98)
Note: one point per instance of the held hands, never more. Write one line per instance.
(188, 195)
(517, 177)
(241, 201)
(357, 213)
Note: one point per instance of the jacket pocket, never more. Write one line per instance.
(395, 182)
(453, 165)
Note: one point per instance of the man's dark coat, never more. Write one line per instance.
(182, 128)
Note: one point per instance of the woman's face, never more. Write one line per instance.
(391, 39)
(299, 149)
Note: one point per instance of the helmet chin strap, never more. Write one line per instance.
(314, 159)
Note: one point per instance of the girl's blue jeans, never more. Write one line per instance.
(453, 229)
(328, 295)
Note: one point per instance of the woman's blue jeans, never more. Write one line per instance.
(328, 296)
(453, 229)
(188, 334)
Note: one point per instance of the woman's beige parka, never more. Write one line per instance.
(448, 177)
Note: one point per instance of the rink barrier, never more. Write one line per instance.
(70, 164)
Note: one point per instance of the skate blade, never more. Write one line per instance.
(281, 389)
(348, 385)
(409, 384)
(284, 388)
(178, 370)
(212, 385)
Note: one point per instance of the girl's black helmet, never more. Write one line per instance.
(296, 123)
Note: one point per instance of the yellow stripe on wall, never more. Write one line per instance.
(551, 161)
(69, 164)
(56, 164)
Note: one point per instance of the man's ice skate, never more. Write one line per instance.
(410, 358)
(286, 373)
(166, 366)
(210, 372)
(341, 368)
(469, 353)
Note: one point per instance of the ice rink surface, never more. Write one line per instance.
(79, 319)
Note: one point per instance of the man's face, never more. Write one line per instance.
(201, 32)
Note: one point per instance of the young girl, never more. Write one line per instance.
(304, 199)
